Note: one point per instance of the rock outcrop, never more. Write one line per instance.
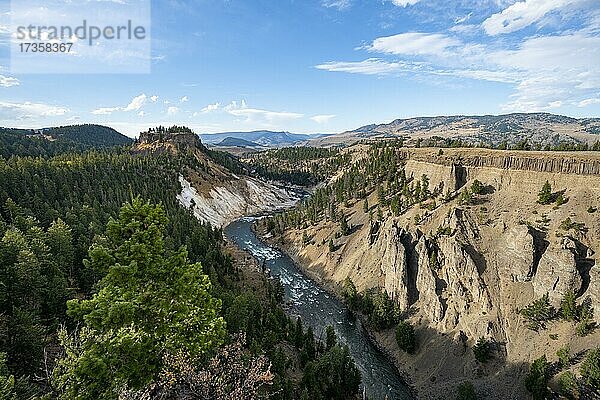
(566, 163)
(394, 267)
(516, 260)
(557, 272)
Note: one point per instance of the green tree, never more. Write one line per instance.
(344, 227)
(482, 350)
(568, 386)
(545, 194)
(405, 337)
(149, 305)
(568, 306)
(590, 368)
(350, 293)
(564, 356)
(332, 377)
(538, 312)
(536, 382)
(330, 337)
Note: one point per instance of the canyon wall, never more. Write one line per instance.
(464, 271)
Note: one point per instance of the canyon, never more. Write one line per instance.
(463, 271)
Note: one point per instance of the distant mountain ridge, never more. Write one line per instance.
(537, 128)
(262, 137)
(237, 142)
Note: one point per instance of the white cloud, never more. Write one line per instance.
(404, 3)
(184, 99)
(588, 102)
(8, 81)
(105, 110)
(414, 43)
(339, 4)
(141, 113)
(371, 66)
(211, 108)
(28, 110)
(522, 14)
(460, 20)
(322, 119)
(74, 118)
(136, 103)
(172, 110)
(546, 71)
(258, 115)
(154, 98)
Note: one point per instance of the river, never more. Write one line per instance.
(319, 309)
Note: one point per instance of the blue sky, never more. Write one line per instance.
(312, 66)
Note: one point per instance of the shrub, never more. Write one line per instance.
(568, 224)
(536, 382)
(465, 198)
(590, 368)
(405, 337)
(592, 209)
(585, 315)
(466, 391)
(560, 199)
(538, 312)
(482, 350)
(567, 385)
(564, 356)
(477, 187)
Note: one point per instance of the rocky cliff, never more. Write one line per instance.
(464, 271)
(212, 192)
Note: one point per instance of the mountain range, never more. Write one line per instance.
(263, 137)
(537, 128)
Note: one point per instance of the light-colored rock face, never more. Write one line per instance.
(465, 293)
(516, 257)
(224, 204)
(593, 291)
(557, 273)
(393, 264)
(430, 301)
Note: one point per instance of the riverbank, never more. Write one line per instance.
(319, 309)
(335, 290)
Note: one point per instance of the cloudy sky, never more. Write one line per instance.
(327, 65)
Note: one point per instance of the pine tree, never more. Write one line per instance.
(344, 228)
(149, 304)
(545, 194)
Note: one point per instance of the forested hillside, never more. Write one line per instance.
(54, 141)
(304, 166)
(109, 287)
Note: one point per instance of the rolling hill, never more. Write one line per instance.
(541, 129)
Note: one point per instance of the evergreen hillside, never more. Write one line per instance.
(53, 141)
